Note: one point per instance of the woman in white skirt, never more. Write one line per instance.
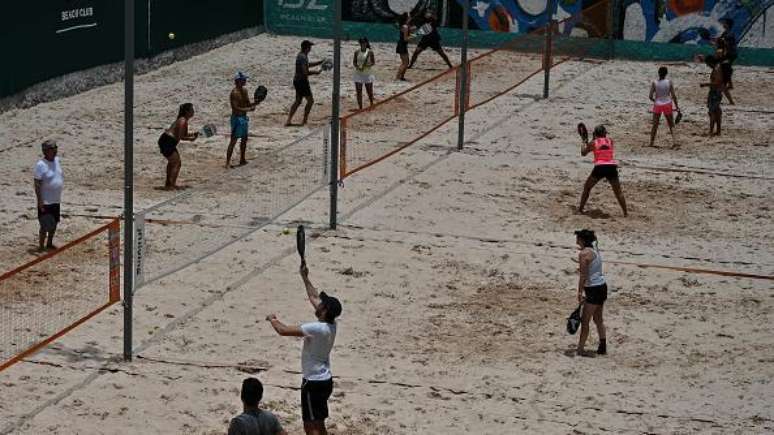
(363, 61)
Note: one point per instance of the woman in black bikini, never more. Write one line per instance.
(404, 25)
(168, 143)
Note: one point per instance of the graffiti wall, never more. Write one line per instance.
(698, 21)
(512, 16)
(449, 13)
(522, 16)
(675, 21)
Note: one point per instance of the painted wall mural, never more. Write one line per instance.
(522, 16)
(676, 21)
(697, 21)
(386, 11)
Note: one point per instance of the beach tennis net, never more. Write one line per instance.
(42, 300)
(371, 135)
(188, 228)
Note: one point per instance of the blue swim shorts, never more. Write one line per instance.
(239, 126)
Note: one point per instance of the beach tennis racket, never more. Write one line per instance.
(301, 243)
(583, 132)
(679, 117)
(260, 94)
(326, 65)
(208, 130)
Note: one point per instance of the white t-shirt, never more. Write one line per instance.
(315, 355)
(52, 180)
(663, 96)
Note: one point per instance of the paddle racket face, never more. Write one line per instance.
(301, 243)
(583, 132)
(327, 65)
(679, 117)
(209, 130)
(260, 94)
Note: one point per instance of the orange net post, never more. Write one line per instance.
(44, 299)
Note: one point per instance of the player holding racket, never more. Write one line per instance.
(169, 140)
(431, 40)
(363, 60)
(404, 24)
(301, 82)
(319, 336)
(240, 105)
(605, 165)
(662, 94)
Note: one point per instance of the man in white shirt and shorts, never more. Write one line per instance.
(49, 181)
(317, 385)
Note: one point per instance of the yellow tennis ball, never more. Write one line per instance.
(286, 231)
(171, 35)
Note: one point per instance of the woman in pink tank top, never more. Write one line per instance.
(605, 166)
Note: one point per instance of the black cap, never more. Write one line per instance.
(332, 305)
(306, 43)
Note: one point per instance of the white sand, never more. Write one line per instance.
(454, 268)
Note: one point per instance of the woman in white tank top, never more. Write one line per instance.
(662, 93)
(363, 60)
(592, 282)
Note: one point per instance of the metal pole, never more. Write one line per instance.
(463, 75)
(334, 187)
(128, 172)
(611, 11)
(547, 57)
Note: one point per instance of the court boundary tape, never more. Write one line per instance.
(696, 270)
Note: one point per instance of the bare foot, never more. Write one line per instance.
(585, 353)
(51, 247)
(242, 162)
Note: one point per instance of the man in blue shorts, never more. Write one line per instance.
(240, 105)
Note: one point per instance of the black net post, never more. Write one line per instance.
(547, 57)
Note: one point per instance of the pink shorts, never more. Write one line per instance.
(666, 109)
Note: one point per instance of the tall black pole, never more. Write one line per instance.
(547, 60)
(463, 75)
(128, 172)
(335, 109)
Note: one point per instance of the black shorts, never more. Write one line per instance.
(402, 47)
(303, 89)
(167, 145)
(49, 217)
(314, 399)
(610, 172)
(726, 71)
(596, 295)
(430, 42)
